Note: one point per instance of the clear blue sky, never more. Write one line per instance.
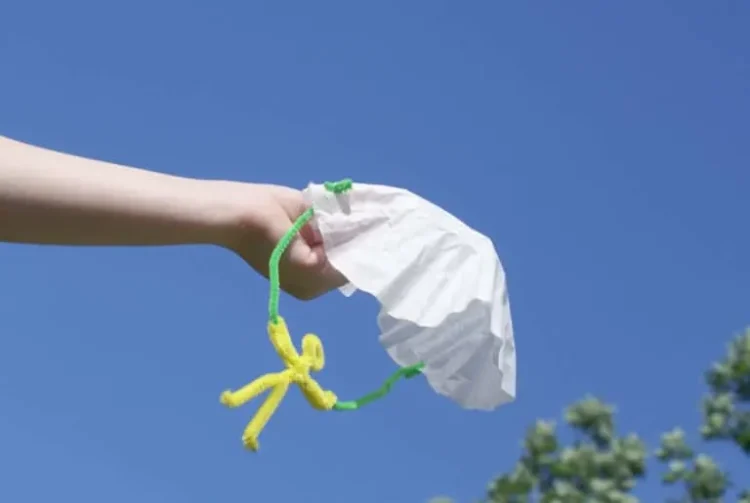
(603, 146)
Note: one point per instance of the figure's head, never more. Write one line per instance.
(312, 351)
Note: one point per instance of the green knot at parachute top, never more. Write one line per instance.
(275, 290)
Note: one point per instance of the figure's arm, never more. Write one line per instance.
(316, 396)
(48, 197)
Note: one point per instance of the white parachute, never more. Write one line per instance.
(441, 287)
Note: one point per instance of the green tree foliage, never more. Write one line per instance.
(601, 466)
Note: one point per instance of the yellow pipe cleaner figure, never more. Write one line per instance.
(298, 367)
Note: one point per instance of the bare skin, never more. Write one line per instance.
(49, 197)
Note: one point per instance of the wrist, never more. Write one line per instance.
(226, 212)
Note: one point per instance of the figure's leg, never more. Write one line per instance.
(316, 395)
(259, 421)
(250, 391)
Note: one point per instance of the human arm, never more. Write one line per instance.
(49, 197)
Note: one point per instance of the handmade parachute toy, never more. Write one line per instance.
(444, 312)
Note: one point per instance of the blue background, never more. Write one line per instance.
(602, 145)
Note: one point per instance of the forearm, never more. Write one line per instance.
(48, 197)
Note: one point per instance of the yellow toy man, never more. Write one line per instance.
(298, 368)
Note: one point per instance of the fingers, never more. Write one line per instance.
(311, 235)
(308, 274)
(304, 270)
(301, 255)
(333, 278)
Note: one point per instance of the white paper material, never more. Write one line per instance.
(440, 284)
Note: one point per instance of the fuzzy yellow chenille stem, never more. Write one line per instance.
(298, 368)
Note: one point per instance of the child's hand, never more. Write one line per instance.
(263, 214)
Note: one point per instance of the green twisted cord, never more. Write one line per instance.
(283, 244)
(404, 372)
(273, 266)
(339, 187)
(275, 291)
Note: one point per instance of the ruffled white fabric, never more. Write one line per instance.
(441, 287)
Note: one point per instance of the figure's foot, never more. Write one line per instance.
(251, 443)
(227, 398)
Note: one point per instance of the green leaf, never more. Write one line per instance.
(602, 466)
